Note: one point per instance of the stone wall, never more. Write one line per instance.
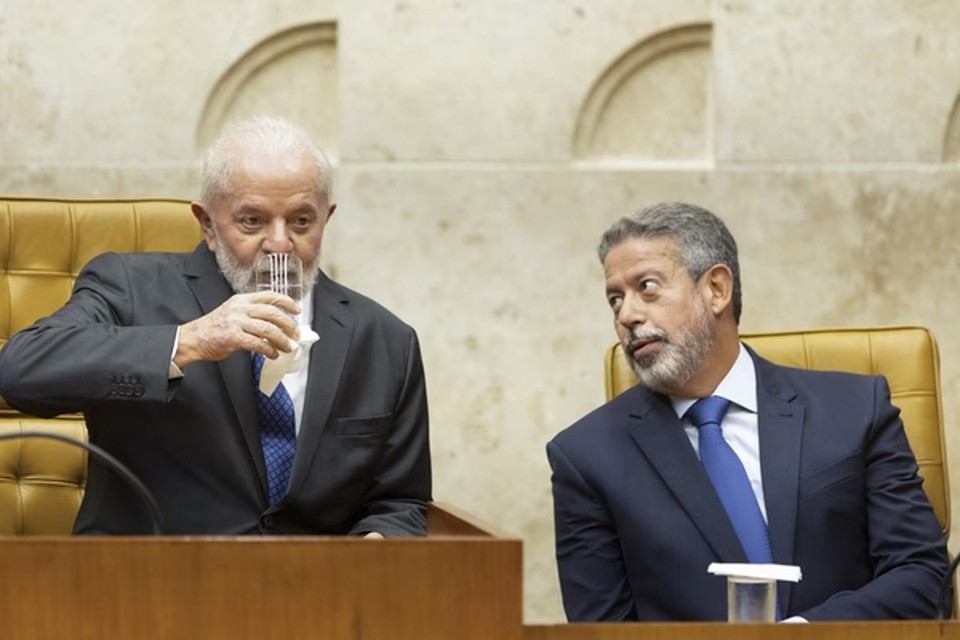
(482, 147)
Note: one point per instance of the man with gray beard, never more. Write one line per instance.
(337, 443)
(721, 456)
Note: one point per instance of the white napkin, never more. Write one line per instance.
(274, 370)
(758, 571)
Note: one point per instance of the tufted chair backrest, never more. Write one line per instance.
(906, 356)
(44, 243)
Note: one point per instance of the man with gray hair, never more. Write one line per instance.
(721, 456)
(335, 443)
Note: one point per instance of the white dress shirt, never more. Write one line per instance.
(740, 425)
(296, 382)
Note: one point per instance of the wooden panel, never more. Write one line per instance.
(233, 588)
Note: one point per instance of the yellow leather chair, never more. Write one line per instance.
(43, 245)
(906, 356)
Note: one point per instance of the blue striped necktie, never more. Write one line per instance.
(730, 479)
(278, 433)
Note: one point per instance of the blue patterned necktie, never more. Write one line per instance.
(730, 479)
(278, 433)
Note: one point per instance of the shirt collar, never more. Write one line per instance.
(739, 386)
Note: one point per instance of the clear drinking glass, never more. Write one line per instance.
(751, 599)
(280, 273)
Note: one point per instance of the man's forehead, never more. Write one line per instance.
(643, 249)
(269, 164)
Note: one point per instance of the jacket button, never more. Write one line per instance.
(267, 521)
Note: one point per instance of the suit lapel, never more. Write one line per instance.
(780, 420)
(211, 290)
(333, 322)
(658, 432)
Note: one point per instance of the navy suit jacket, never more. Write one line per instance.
(638, 521)
(362, 460)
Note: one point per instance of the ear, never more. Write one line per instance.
(717, 289)
(333, 207)
(206, 224)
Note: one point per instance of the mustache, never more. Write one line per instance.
(636, 337)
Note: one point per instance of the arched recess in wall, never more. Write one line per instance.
(652, 103)
(293, 74)
(951, 143)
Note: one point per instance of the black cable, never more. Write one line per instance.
(945, 601)
(108, 461)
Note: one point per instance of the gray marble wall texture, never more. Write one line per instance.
(482, 146)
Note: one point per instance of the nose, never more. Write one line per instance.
(278, 238)
(632, 312)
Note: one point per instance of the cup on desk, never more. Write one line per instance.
(751, 599)
(752, 589)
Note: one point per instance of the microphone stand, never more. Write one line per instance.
(156, 519)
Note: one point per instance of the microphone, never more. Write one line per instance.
(110, 462)
(945, 601)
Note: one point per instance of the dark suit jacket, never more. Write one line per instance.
(638, 521)
(362, 460)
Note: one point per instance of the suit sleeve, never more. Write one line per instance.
(906, 546)
(397, 503)
(87, 351)
(593, 579)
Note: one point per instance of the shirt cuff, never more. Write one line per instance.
(174, 372)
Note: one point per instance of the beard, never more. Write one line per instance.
(243, 278)
(675, 364)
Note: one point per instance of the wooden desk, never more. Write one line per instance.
(462, 582)
(926, 630)
(458, 583)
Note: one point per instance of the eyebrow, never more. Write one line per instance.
(304, 208)
(247, 208)
(647, 272)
